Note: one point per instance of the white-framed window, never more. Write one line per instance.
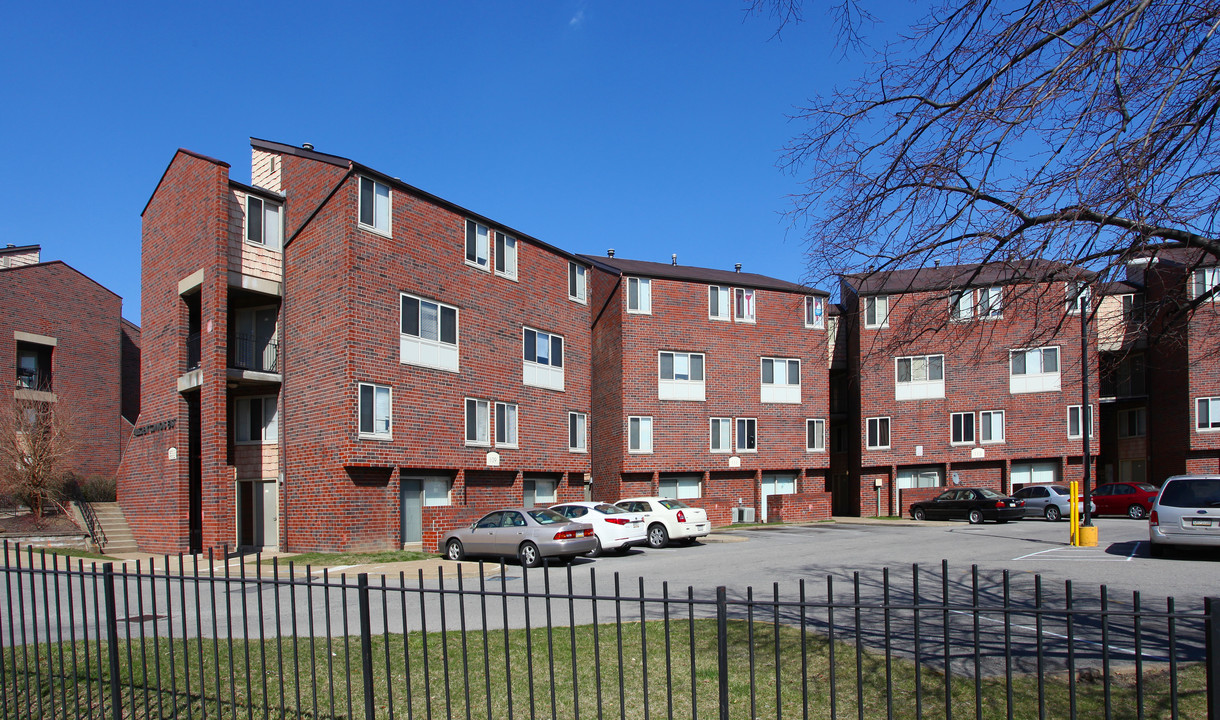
(506, 256)
(680, 376)
(990, 302)
(815, 435)
(743, 305)
(1073, 421)
(1033, 370)
(961, 305)
(983, 303)
(375, 415)
(257, 420)
(747, 435)
(542, 359)
(918, 377)
(437, 491)
(877, 311)
(680, 487)
(1132, 423)
(962, 432)
(720, 431)
(639, 295)
(1035, 473)
(1076, 294)
(991, 426)
(781, 380)
(578, 282)
(639, 434)
(375, 205)
(815, 311)
(917, 478)
(263, 224)
(718, 302)
(506, 424)
(478, 422)
(429, 333)
(478, 239)
(1203, 281)
(538, 492)
(1207, 413)
(578, 432)
(878, 433)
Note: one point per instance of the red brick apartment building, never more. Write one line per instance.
(710, 384)
(1122, 348)
(336, 360)
(964, 374)
(63, 340)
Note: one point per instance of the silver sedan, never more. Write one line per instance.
(1049, 501)
(529, 534)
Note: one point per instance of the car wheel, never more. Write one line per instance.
(975, 517)
(1052, 513)
(919, 514)
(528, 555)
(597, 549)
(1136, 512)
(454, 550)
(658, 536)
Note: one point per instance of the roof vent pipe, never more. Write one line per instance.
(936, 263)
(737, 267)
(610, 252)
(673, 259)
(307, 146)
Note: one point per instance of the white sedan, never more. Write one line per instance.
(668, 519)
(615, 528)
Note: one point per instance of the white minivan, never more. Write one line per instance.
(1186, 512)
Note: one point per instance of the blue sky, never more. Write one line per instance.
(649, 127)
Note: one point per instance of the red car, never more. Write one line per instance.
(1125, 498)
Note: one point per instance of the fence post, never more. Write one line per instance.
(1211, 630)
(722, 648)
(112, 640)
(366, 643)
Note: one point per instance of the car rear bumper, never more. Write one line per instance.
(1158, 536)
(693, 529)
(1015, 513)
(574, 546)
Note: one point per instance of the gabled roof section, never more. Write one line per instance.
(951, 277)
(300, 152)
(26, 268)
(183, 151)
(255, 190)
(18, 249)
(709, 276)
(1181, 256)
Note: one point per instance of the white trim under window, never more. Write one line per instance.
(256, 420)
(264, 224)
(877, 433)
(578, 282)
(991, 426)
(639, 434)
(375, 414)
(1203, 281)
(747, 435)
(429, 333)
(1073, 422)
(1132, 422)
(877, 311)
(639, 295)
(375, 204)
(680, 376)
(720, 434)
(780, 381)
(578, 432)
(478, 422)
(1207, 414)
(961, 428)
(1033, 370)
(815, 435)
(506, 256)
(542, 359)
(815, 311)
(718, 302)
(744, 309)
(918, 377)
(506, 425)
(478, 245)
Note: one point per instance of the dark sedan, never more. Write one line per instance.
(973, 504)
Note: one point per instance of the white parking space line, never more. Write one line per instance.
(1081, 554)
(335, 569)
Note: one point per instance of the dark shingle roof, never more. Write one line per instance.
(710, 276)
(1186, 257)
(949, 277)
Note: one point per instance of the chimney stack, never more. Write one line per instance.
(610, 252)
(737, 267)
(673, 259)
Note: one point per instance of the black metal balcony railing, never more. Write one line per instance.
(250, 352)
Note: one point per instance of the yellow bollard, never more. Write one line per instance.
(1087, 536)
(1073, 513)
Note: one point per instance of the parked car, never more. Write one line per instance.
(614, 528)
(1052, 502)
(1124, 498)
(668, 519)
(973, 504)
(529, 534)
(1186, 512)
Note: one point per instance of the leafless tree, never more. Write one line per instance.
(36, 445)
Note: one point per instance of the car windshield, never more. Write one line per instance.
(989, 493)
(1146, 487)
(546, 517)
(674, 505)
(1191, 493)
(606, 509)
(1058, 490)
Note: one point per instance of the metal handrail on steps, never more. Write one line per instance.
(92, 525)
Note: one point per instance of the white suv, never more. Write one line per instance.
(1186, 512)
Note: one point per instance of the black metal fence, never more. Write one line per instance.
(192, 638)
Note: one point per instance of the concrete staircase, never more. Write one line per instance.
(118, 536)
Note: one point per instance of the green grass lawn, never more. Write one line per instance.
(321, 560)
(573, 671)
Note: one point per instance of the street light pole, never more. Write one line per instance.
(1086, 419)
